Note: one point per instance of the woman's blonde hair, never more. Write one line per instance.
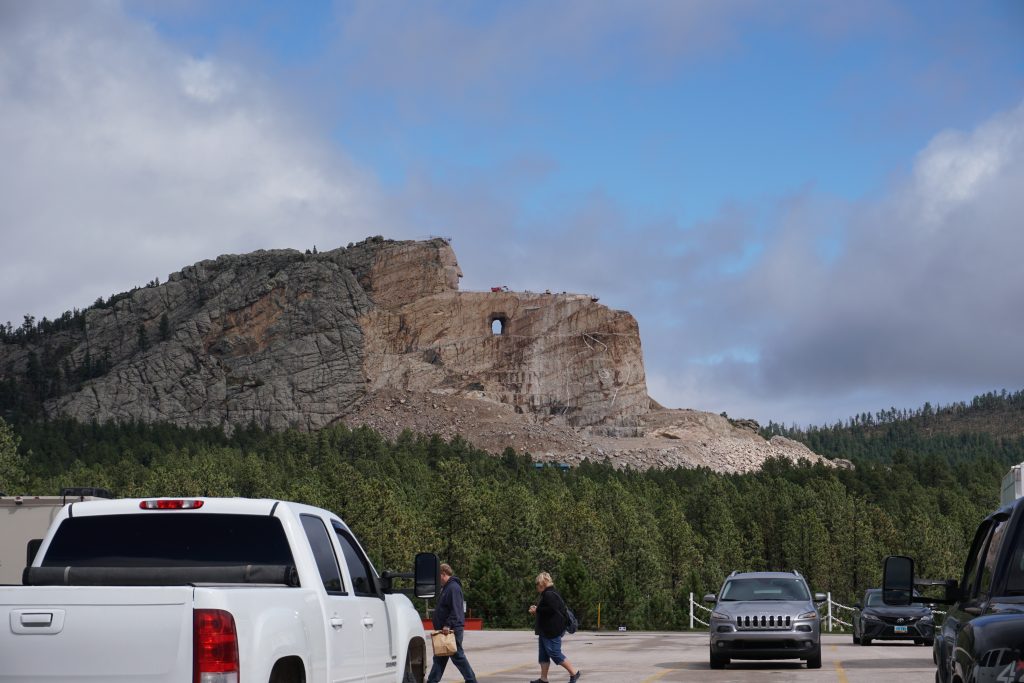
(544, 579)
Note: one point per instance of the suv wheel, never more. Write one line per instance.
(814, 661)
(717, 661)
(865, 641)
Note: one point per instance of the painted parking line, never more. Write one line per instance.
(659, 676)
(840, 671)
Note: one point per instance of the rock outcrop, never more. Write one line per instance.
(379, 333)
(286, 339)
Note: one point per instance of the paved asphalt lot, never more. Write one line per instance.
(510, 657)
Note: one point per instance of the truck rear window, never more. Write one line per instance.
(175, 539)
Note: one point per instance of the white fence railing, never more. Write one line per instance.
(828, 619)
(694, 618)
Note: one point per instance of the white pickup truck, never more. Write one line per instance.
(209, 590)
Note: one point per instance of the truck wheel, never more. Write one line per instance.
(717, 662)
(814, 661)
(289, 670)
(414, 670)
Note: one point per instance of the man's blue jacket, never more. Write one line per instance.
(451, 607)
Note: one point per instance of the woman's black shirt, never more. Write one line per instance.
(550, 614)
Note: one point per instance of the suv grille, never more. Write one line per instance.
(763, 622)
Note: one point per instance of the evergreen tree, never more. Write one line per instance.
(12, 472)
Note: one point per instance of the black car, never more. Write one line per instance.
(874, 620)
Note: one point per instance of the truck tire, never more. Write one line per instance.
(814, 661)
(409, 676)
(415, 666)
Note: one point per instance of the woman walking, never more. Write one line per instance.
(551, 615)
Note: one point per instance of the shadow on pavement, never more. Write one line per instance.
(887, 663)
(738, 665)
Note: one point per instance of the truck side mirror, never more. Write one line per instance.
(898, 580)
(427, 575)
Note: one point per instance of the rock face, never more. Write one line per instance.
(286, 339)
(378, 333)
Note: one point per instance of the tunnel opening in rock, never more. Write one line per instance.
(499, 323)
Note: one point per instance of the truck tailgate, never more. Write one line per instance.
(66, 634)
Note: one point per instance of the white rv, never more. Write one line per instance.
(1013, 485)
(24, 518)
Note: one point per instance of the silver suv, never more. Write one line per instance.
(765, 615)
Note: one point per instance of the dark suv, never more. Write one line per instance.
(765, 615)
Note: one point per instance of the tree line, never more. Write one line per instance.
(997, 412)
(631, 543)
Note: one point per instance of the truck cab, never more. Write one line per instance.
(982, 637)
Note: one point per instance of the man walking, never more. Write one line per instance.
(449, 616)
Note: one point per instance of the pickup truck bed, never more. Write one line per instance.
(223, 592)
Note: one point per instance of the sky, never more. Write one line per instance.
(812, 209)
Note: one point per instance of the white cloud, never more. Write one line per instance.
(202, 81)
(126, 158)
(955, 167)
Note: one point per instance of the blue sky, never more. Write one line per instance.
(773, 189)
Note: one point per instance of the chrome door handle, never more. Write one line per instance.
(336, 622)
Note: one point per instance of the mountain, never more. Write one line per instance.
(990, 424)
(376, 333)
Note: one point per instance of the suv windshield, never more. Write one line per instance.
(765, 589)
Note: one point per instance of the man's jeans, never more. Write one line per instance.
(458, 659)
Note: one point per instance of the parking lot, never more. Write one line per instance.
(510, 657)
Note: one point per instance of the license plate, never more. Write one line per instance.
(899, 629)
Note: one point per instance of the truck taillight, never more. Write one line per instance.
(166, 504)
(214, 647)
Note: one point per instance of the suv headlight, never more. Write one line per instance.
(813, 614)
(721, 617)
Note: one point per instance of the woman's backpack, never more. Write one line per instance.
(571, 622)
